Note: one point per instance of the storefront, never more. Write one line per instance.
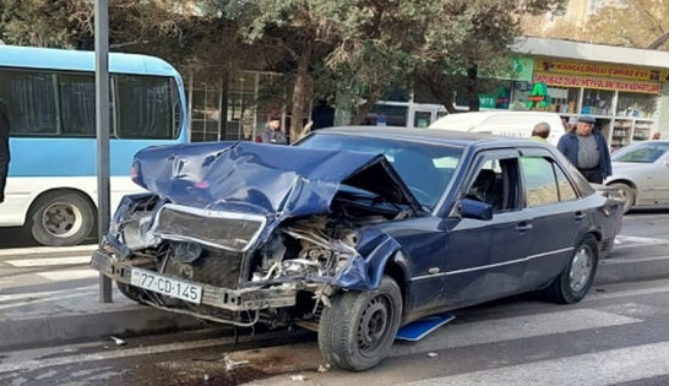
(624, 100)
(417, 107)
(624, 89)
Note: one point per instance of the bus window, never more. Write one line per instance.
(144, 107)
(30, 102)
(78, 105)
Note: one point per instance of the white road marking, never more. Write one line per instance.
(75, 274)
(602, 368)
(48, 262)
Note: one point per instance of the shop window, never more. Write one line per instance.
(597, 102)
(636, 105)
(563, 99)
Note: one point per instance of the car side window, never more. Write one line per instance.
(565, 188)
(540, 181)
(496, 183)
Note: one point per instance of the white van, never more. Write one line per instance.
(503, 123)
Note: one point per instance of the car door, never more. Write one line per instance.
(558, 216)
(485, 257)
(661, 184)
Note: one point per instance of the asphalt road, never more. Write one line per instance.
(617, 336)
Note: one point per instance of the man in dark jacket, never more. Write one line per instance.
(272, 133)
(4, 147)
(587, 150)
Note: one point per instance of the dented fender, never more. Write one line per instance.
(366, 271)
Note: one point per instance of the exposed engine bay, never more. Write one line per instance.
(288, 275)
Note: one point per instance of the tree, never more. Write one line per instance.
(629, 23)
(479, 46)
(358, 49)
(637, 23)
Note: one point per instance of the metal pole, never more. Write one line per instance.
(103, 135)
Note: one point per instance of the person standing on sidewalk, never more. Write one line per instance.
(272, 133)
(587, 150)
(4, 147)
(541, 131)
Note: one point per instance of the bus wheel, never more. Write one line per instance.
(61, 218)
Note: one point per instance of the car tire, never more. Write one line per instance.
(358, 330)
(627, 193)
(573, 283)
(61, 218)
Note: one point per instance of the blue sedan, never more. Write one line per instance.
(353, 232)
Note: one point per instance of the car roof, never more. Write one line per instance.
(430, 136)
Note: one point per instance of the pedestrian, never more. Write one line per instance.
(656, 136)
(272, 133)
(541, 131)
(4, 147)
(564, 122)
(586, 148)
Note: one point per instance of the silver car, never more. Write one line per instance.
(640, 174)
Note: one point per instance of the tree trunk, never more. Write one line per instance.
(438, 86)
(300, 91)
(343, 108)
(473, 88)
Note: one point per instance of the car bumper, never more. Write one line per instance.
(245, 299)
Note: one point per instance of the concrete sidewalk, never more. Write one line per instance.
(49, 296)
(65, 316)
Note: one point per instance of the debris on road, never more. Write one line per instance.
(299, 378)
(432, 355)
(231, 364)
(118, 341)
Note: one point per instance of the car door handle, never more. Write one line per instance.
(523, 226)
(579, 216)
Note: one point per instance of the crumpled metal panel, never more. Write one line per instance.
(253, 178)
(366, 270)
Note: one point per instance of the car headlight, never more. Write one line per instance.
(135, 231)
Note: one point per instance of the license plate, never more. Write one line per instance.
(163, 285)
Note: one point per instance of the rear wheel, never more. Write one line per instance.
(358, 330)
(61, 218)
(573, 283)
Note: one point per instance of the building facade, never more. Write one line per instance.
(625, 89)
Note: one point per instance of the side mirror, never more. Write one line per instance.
(478, 210)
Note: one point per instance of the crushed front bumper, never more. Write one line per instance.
(246, 299)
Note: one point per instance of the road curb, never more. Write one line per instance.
(53, 251)
(630, 270)
(128, 320)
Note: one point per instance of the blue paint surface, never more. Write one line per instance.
(415, 331)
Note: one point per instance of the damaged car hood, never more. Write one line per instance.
(284, 181)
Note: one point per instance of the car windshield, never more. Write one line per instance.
(647, 152)
(426, 169)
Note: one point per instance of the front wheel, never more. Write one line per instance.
(358, 330)
(61, 218)
(573, 283)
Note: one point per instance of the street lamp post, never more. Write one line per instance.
(103, 135)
